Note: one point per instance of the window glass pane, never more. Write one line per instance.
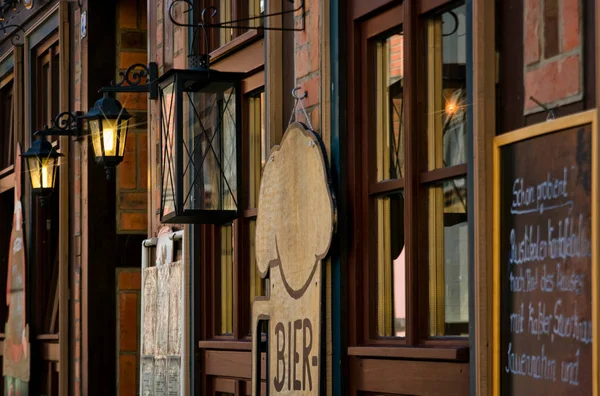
(391, 280)
(257, 8)
(448, 259)
(389, 108)
(226, 275)
(6, 126)
(447, 89)
(225, 15)
(259, 146)
(209, 147)
(167, 144)
(258, 285)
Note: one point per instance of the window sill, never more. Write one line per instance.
(6, 171)
(47, 337)
(456, 353)
(238, 345)
(236, 44)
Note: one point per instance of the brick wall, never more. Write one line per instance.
(128, 311)
(75, 218)
(308, 63)
(132, 174)
(553, 56)
(131, 181)
(168, 48)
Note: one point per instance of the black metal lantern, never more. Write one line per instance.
(108, 122)
(200, 127)
(42, 161)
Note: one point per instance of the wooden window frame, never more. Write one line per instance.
(240, 37)
(5, 80)
(240, 339)
(44, 54)
(384, 17)
(45, 106)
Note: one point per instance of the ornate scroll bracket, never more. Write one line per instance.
(137, 78)
(65, 124)
(16, 34)
(244, 23)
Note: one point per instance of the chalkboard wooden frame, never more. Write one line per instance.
(536, 131)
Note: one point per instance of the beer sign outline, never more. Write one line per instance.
(295, 225)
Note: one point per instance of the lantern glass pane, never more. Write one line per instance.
(96, 136)
(167, 136)
(210, 148)
(48, 172)
(109, 137)
(122, 136)
(42, 172)
(34, 172)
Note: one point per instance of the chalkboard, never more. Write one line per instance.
(544, 277)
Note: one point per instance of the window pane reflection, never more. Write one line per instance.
(391, 267)
(448, 259)
(226, 275)
(446, 90)
(259, 145)
(258, 285)
(390, 109)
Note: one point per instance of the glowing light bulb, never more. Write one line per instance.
(109, 140)
(45, 180)
(451, 107)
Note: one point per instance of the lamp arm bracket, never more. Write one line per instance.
(64, 124)
(16, 34)
(243, 23)
(137, 78)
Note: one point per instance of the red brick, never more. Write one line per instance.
(134, 222)
(128, 321)
(128, 14)
(143, 22)
(315, 55)
(532, 31)
(77, 371)
(553, 81)
(571, 28)
(313, 87)
(302, 37)
(179, 61)
(179, 39)
(130, 280)
(127, 375)
(143, 160)
(303, 63)
(160, 27)
(128, 58)
(315, 119)
(133, 200)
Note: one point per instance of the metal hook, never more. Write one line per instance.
(551, 111)
(214, 13)
(304, 95)
(299, 102)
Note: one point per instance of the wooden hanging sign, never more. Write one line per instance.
(16, 356)
(546, 258)
(295, 224)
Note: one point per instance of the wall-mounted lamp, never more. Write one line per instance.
(42, 161)
(108, 123)
(42, 157)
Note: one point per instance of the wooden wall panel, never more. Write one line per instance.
(409, 377)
